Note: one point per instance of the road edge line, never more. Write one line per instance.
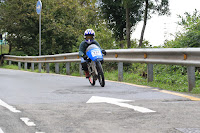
(181, 95)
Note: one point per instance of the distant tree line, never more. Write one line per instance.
(64, 21)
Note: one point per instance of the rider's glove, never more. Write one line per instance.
(84, 57)
(104, 52)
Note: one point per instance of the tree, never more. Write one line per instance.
(145, 22)
(190, 36)
(128, 28)
(62, 23)
(151, 7)
(115, 12)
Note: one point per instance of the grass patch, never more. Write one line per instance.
(9, 67)
(14, 67)
(139, 80)
(75, 74)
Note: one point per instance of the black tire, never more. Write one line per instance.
(91, 80)
(100, 74)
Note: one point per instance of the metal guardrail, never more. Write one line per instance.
(175, 56)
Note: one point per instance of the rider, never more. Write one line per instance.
(89, 36)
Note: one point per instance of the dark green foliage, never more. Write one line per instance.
(63, 23)
(161, 7)
(170, 74)
(110, 66)
(190, 37)
(115, 14)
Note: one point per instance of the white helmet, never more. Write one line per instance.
(89, 36)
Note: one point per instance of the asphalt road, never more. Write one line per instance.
(50, 103)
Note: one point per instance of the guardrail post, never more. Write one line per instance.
(68, 68)
(25, 66)
(80, 69)
(19, 65)
(57, 68)
(39, 67)
(47, 67)
(32, 67)
(149, 72)
(120, 71)
(10, 62)
(191, 77)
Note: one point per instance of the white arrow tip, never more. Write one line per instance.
(97, 99)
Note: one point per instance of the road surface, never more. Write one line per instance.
(50, 103)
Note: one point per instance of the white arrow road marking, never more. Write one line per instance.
(1, 131)
(11, 108)
(26, 121)
(97, 99)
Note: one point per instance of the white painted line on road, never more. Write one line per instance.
(26, 121)
(1, 131)
(136, 108)
(11, 108)
(97, 99)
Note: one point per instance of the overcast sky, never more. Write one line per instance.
(159, 28)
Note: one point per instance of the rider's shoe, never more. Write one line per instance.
(87, 75)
